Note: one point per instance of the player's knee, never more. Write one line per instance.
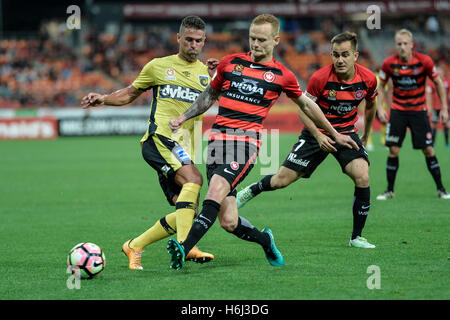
(194, 176)
(393, 152)
(228, 224)
(428, 151)
(362, 181)
(197, 179)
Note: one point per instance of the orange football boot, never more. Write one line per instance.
(134, 256)
(199, 256)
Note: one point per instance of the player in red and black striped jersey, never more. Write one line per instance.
(408, 71)
(338, 89)
(248, 85)
(249, 89)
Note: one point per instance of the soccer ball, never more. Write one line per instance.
(87, 259)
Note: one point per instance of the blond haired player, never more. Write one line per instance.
(408, 71)
(176, 80)
(235, 138)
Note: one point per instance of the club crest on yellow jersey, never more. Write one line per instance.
(203, 80)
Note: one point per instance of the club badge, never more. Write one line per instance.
(234, 165)
(359, 94)
(203, 80)
(269, 76)
(332, 94)
(170, 74)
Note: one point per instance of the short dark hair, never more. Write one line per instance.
(193, 22)
(346, 36)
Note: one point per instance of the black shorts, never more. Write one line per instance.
(231, 160)
(306, 154)
(166, 156)
(417, 121)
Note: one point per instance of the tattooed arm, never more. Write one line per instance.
(204, 101)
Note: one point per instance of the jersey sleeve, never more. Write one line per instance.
(313, 88)
(372, 90)
(218, 78)
(291, 86)
(430, 68)
(384, 73)
(146, 78)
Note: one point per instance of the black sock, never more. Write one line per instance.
(391, 172)
(435, 170)
(246, 231)
(361, 206)
(201, 224)
(263, 185)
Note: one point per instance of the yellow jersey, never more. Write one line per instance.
(176, 84)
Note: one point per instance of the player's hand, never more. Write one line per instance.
(382, 115)
(346, 141)
(212, 64)
(92, 100)
(176, 123)
(325, 142)
(443, 116)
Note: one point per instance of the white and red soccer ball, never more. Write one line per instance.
(86, 258)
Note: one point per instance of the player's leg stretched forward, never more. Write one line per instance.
(178, 222)
(212, 206)
(243, 229)
(284, 177)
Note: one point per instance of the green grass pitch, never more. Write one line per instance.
(55, 194)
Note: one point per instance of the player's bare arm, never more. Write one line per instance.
(369, 114)
(204, 101)
(325, 142)
(117, 98)
(312, 110)
(429, 98)
(443, 115)
(382, 96)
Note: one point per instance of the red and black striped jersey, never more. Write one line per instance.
(248, 91)
(408, 80)
(339, 100)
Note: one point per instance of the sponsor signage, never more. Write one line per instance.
(103, 126)
(28, 128)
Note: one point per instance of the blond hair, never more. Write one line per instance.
(268, 18)
(404, 31)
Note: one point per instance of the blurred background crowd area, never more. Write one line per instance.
(54, 66)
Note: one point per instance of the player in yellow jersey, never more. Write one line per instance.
(176, 80)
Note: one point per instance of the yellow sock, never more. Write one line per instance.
(163, 228)
(186, 205)
(369, 140)
(383, 134)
